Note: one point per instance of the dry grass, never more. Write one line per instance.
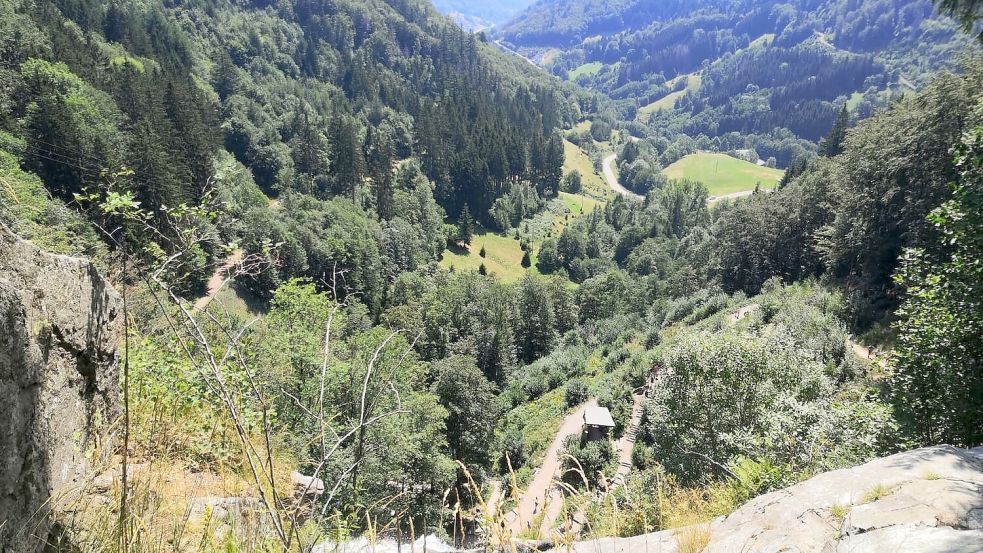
(170, 509)
(693, 539)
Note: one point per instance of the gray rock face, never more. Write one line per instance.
(60, 323)
(923, 501)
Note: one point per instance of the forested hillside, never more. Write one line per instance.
(765, 75)
(314, 99)
(300, 202)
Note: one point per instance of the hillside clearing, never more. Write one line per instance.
(575, 159)
(586, 69)
(723, 174)
(503, 256)
(694, 81)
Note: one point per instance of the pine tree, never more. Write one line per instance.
(465, 225)
(384, 202)
(348, 161)
(832, 145)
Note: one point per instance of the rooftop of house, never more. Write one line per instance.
(598, 416)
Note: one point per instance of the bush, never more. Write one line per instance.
(588, 460)
(577, 392)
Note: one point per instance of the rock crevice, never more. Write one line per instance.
(60, 324)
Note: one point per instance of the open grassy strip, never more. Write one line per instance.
(694, 81)
(586, 69)
(576, 159)
(503, 255)
(722, 173)
(538, 421)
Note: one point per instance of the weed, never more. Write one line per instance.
(839, 511)
(875, 493)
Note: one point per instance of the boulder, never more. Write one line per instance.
(928, 500)
(60, 323)
(306, 486)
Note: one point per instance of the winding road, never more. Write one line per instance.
(613, 179)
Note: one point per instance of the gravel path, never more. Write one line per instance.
(535, 497)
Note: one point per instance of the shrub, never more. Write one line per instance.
(585, 460)
(577, 392)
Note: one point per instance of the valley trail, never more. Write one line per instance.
(613, 179)
(539, 491)
(217, 280)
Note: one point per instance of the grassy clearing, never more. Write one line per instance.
(762, 40)
(854, 101)
(576, 159)
(549, 56)
(503, 256)
(586, 69)
(579, 204)
(694, 81)
(582, 127)
(723, 174)
(236, 300)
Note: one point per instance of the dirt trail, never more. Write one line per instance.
(742, 312)
(218, 280)
(613, 179)
(539, 491)
(858, 349)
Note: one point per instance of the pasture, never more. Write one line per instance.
(723, 174)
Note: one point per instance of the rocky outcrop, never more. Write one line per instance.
(923, 501)
(60, 323)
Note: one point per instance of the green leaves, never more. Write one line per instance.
(937, 381)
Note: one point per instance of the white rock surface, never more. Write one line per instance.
(930, 501)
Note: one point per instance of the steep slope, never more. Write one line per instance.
(224, 104)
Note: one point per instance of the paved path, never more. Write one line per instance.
(540, 490)
(218, 280)
(613, 180)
